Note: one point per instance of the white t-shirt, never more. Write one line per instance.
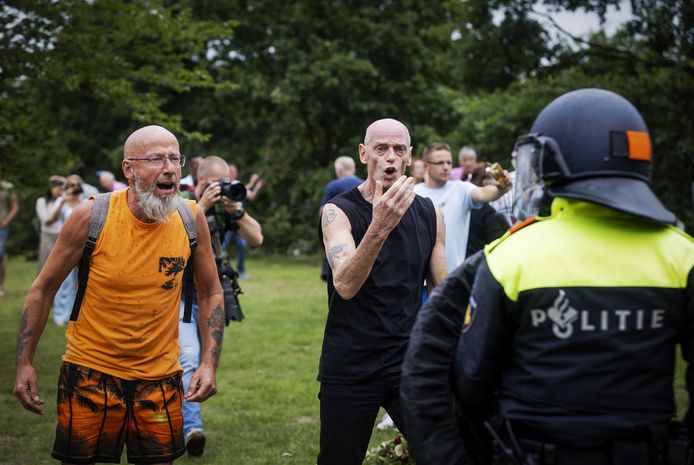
(455, 200)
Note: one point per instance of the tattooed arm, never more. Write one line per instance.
(64, 256)
(210, 315)
(351, 265)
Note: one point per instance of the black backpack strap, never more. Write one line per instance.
(188, 219)
(96, 224)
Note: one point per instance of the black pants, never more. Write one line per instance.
(347, 416)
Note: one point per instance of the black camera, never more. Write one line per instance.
(235, 190)
(228, 277)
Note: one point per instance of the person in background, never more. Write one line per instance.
(252, 188)
(467, 159)
(504, 204)
(486, 224)
(418, 171)
(65, 297)
(254, 185)
(455, 198)
(189, 182)
(8, 209)
(208, 195)
(108, 182)
(88, 191)
(48, 222)
(345, 179)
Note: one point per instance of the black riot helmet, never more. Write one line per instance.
(591, 145)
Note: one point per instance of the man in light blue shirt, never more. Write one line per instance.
(455, 198)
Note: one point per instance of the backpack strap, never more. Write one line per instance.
(96, 224)
(188, 219)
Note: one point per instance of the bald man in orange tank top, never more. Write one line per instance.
(120, 381)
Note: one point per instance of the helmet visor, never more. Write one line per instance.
(528, 186)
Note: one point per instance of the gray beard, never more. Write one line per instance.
(157, 209)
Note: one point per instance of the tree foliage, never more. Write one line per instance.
(286, 87)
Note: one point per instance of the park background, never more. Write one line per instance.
(284, 87)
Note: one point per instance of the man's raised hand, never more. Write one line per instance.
(390, 207)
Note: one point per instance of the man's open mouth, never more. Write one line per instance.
(165, 186)
(391, 170)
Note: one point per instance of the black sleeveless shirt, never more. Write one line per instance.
(366, 337)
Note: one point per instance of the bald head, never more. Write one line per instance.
(386, 127)
(146, 138)
(212, 168)
(344, 166)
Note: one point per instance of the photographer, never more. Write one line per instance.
(221, 201)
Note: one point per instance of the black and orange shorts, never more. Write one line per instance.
(98, 414)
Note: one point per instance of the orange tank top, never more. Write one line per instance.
(128, 323)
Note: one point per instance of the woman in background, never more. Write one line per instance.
(64, 299)
(46, 207)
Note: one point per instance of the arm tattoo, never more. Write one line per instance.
(329, 216)
(23, 336)
(215, 324)
(334, 253)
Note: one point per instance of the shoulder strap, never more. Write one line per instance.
(188, 219)
(96, 224)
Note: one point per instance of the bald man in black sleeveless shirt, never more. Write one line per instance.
(382, 241)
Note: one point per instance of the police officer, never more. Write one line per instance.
(567, 348)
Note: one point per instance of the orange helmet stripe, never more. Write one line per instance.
(639, 145)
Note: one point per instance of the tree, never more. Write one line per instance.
(81, 75)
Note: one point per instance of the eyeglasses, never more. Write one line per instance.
(72, 185)
(438, 163)
(400, 150)
(157, 161)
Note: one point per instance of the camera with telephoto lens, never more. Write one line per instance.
(219, 223)
(235, 190)
(228, 278)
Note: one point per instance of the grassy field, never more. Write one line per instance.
(266, 411)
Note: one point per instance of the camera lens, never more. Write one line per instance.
(232, 189)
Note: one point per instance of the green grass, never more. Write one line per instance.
(266, 411)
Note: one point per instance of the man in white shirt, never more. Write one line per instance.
(455, 198)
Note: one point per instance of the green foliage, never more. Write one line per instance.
(81, 75)
(634, 63)
(286, 87)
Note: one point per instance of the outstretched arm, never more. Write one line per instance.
(492, 192)
(203, 384)
(64, 256)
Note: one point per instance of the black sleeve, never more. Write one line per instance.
(495, 226)
(433, 433)
(688, 347)
(484, 344)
